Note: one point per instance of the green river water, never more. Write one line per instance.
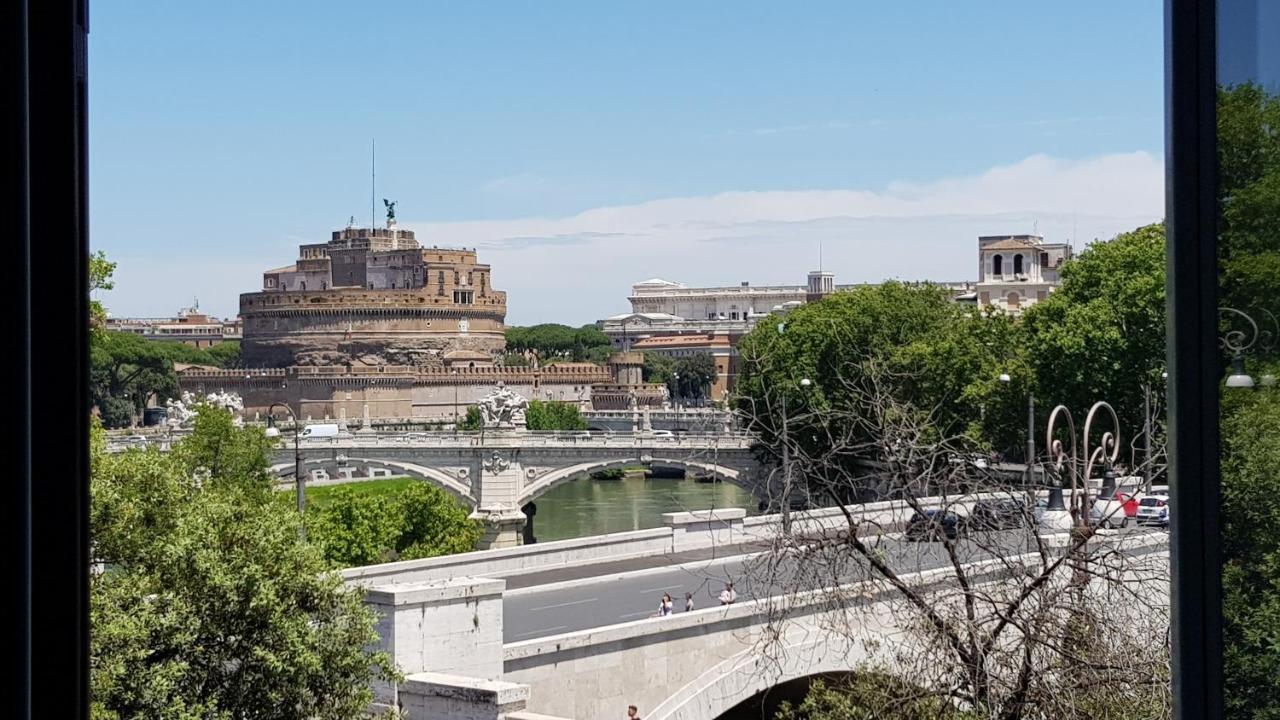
(594, 507)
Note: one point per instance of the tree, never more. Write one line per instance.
(1007, 626)
(100, 272)
(419, 521)
(1249, 194)
(869, 696)
(211, 605)
(695, 374)
(435, 523)
(939, 360)
(472, 421)
(126, 369)
(552, 415)
(1101, 334)
(658, 368)
(1251, 575)
(551, 340)
(355, 529)
(227, 354)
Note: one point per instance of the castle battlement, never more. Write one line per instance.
(375, 296)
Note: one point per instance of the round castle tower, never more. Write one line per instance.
(375, 297)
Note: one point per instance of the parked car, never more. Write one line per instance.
(934, 525)
(1004, 514)
(1153, 510)
(663, 433)
(321, 430)
(1108, 514)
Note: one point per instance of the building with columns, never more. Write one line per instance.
(190, 327)
(1017, 271)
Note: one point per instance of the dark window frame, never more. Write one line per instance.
(45, 523)
(1193, 364)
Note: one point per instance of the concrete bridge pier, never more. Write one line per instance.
(503, 527)
(446, 639)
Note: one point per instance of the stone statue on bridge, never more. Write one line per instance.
(503, 408)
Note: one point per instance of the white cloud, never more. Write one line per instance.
(580, 268)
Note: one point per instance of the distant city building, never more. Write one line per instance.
(190, 327)
(1018, 271)
(672, 319)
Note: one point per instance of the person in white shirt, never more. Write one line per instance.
(667, 606)
(728, 596)
(688, 602)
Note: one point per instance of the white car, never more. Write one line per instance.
(663, 434)
(1153, 510)
(1108, 514)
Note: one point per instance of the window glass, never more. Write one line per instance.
(1249, 298)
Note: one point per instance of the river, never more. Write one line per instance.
(585, 507)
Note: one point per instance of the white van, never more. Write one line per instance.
(325, 430)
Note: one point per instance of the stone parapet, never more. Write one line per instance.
(449, 626)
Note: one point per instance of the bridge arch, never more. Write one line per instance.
(744, 676)
(559, 476)
(456, 487)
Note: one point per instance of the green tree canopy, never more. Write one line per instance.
(1100, 336)
(211, 605)
(551, 340)
(693, 376)
(124, 370)
(554, 415)
(658, 368)
(422, 520)
(1249, 198)
(1251, 576)
(101, 271)
(940, 360)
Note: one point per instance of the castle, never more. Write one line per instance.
(372, 325)
(375, 297)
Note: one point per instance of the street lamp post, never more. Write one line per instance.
(786, 463)
(1107, 451)
(675, 376)
(298, 479)
(455, 401)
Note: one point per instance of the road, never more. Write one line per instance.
(607, 599)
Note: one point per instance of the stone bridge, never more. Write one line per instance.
(471, 632)
(499, 473)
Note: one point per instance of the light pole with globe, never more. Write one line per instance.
(274, 432)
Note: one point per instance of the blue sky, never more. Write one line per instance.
(583, 146)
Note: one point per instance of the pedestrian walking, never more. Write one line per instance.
(632, 713)
(728, 596)
(667, 606)
(688, 602)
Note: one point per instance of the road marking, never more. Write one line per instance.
(543, 630)
(567, 604)
(638, 614)
(664, 587)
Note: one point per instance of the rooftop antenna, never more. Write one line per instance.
(1035, 227)
(373, 182)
